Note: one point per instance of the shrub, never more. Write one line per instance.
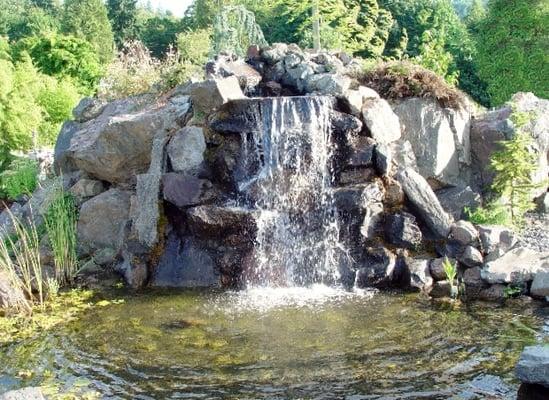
(57, 98)
(492, 214)
(403, 79)
(60, 221)
(135, 71)
(20, 179)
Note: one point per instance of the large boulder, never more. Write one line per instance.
(540, 285)
(425, 202)
(517, 266)
(116, 146)
(440, 139)
(533, 365)
(382, 123)
(496, 126)
(186, 150)
(224, 66)
(211, 94)
(103, 219)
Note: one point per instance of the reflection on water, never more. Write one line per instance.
(275, 343)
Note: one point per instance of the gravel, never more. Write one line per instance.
(536, 232)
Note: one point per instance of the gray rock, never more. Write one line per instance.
(464, 233)
(471, 257)
(383, 159)
(86, 188)
(227, 223)
(11, 297)
(540, 285)
(225, 66)
(30, 393)
(213, 93)
(146, 210)
(474, 285)
(352, 100)
(382, 123)
(356, 176)
(533, 365)
(328, 84)
(185, 191)
(455, 199)
(274, 53)
(185, 264)
(116, 148)
(361, 151)
(105, 256)
(543, 203)
(186, 150)
(516, 266)
(420, 194)
(403, 154)
(495, 238)
(401, 230)
(379, 269)
(88, 108)
(373, 216)
(441, 289)
(61, 156)
(420, 275)
(102, 220)
(440, 139)
(494, 293)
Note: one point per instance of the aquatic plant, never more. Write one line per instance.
(60, 222)
(450, 269)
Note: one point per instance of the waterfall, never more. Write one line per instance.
(291, 153)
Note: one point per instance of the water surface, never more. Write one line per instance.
(276, 344)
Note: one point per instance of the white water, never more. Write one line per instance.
(298, 234)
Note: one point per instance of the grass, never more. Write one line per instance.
(403, 79)
(60, 220)
(20, 259)
(492, 214)
(20, 178)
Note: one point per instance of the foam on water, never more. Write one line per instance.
(266, 299)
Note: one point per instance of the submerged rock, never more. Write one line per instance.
(533, 365)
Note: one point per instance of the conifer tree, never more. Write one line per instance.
(123, 17)
(87, 19)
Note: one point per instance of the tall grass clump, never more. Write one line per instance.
(60, 221)
(20, 259)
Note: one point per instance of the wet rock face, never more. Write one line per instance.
(187, 191)
(401, 230)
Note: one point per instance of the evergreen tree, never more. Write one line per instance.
(123, 17)
(512, 48)
(87, 19)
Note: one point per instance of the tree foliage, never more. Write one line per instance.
(123, 17)
(512, 48)
(88, 20)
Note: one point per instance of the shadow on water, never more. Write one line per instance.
(279, 343)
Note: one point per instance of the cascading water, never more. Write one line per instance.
(291, 153)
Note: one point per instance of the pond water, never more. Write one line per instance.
(277, 344)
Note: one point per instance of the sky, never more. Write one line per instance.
(177, 7)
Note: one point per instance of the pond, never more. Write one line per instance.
(277, 344)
